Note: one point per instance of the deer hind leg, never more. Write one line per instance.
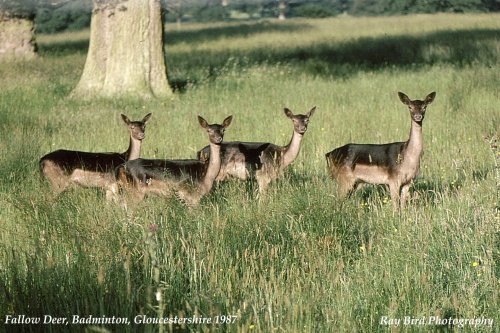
(58, 180)
(59, 185)
(346, 183)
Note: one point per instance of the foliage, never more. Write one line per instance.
(18, 8)
(313, 10)
(378, 7)
(51, 20)
(209, 13)
(299, 260)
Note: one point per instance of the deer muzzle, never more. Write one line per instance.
(418, 117)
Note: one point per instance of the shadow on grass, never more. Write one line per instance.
(432, 191)
(63, 48)
(183, 36)
(342, 60)
(428, 191)
(457, 47)
(231, 31)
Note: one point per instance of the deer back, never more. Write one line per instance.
(145, 170)
(70, 160)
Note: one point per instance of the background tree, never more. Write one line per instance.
(175, 7)
(17, 32)
(281, 9)
(126, 54)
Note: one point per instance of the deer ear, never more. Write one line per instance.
(227, 121)
(147, 117)
(125, 119)
(203, 122)
(311, 112)
(405, 99)
(430, 98)
(288, 112)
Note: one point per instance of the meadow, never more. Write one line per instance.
(300, 260)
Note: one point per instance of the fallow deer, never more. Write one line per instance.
(189, 179)
(395, 164)
(263, 161)
(63, 168)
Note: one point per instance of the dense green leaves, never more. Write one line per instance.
(75, 15)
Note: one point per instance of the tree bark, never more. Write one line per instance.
(17, 37)
(126, 55)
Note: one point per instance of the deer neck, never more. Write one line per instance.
(134, 149)
(292, 149)
(415, 143)
(212, 170)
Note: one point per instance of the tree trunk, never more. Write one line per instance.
(17, 37)
(282, 9)
(178, 19)
(126, 55)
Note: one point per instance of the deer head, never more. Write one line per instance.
(137, 128)
(300, 121)
(215, 131)
(417, 107)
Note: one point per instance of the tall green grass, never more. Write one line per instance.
(299, 260)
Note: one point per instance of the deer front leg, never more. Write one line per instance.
(130, 197)
(263, 182)
(264, 176)
(132, 193)
(405, 194)
(189, 198)
(395, 189)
